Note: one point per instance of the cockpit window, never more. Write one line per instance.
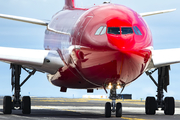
(99, 30)
(126, 30)
(113, 30)
(103, 31)
(137, 31)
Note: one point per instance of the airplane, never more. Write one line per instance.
(106, 46)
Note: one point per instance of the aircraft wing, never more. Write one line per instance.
(164, 57)
(41, 60)
(45, 23)
(156, 12)
(24, 19)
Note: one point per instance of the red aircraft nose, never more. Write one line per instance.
(122, 42)
(120, 34)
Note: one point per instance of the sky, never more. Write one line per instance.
(164, 28)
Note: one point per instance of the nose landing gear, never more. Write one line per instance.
(113, 107)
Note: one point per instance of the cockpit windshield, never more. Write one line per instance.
(114, 30)
(126, 30)
(122, 30)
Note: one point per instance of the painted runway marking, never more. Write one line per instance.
(81, 110)
(140, 110)
(126, 118)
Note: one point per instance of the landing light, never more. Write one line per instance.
(118, 86)
(110, 86)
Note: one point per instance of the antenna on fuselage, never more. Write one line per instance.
(106, 2)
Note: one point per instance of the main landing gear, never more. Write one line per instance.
(16, 103)
(113, 107)
(167, 104)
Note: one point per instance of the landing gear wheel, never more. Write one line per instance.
(108, 109)
(169, 106)
(26, 105)
(150, 106)
(118, 110)
(7, 105)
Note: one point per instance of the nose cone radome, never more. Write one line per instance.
(121, 42)
(120, 34)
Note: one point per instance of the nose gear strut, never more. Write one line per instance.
(113, 107)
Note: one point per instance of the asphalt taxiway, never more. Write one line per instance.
(89, 109)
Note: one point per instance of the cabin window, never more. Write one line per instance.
(126, 30)
(137, 31)
(113, 30)
(99, 30)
